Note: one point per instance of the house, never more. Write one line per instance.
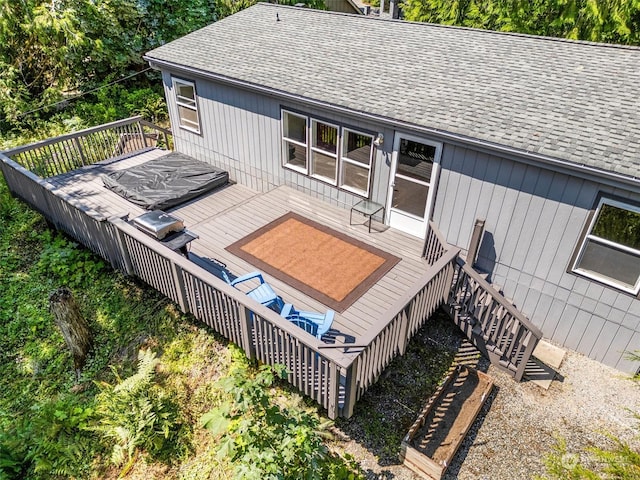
(538, 137)
(346, 6)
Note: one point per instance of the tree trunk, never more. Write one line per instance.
(73, 326)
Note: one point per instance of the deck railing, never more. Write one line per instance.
(335, 376)
(491, 321)
(262, 333)
(75, 150)
(434, 245)
(394, 329)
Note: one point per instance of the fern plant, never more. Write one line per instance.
(138, 414)
(51, 442)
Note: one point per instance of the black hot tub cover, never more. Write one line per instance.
(166, 181)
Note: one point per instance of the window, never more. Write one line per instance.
(324, 151)
(610, 251)
(331, 153)
(294, 135)
(187, 105)
(356, 161)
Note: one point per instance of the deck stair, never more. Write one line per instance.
(491, 322)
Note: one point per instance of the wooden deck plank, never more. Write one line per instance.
(230, 213)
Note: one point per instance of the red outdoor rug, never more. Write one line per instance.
(320, 262)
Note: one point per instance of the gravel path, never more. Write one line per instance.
(521, 423)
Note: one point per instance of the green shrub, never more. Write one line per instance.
(619, 462)
(66, 262)
(268, 437)
(52, 440)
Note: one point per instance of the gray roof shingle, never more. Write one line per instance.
(574, 101)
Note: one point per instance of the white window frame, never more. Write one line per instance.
(343, 159)
(285, 153)
(589, 236)
(334, 180)
(188, 103)
(340, 158)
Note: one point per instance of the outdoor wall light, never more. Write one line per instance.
(379, 140)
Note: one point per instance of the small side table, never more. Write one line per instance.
(368, 209)
(179, 241)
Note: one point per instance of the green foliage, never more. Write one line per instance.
(618, 463)
(267, 437)
(66, 263)
(612, 21)
(137, 413)
(48, 47)
(50, 441)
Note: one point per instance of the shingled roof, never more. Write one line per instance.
(567, 100)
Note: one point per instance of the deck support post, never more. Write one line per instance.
(246, 323)
(76, 143)
(474, 243)
(350, 387)
(126, 259)
(404, 328)
(333, 391)
(142, 137)
(180, 290)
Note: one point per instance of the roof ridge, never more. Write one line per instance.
(617, 46)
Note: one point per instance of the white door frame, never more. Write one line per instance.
(399, 219)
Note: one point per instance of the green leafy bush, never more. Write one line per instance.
(138, 414)
(268, 437)
(618, 462)
(50, 442)
(66, 262)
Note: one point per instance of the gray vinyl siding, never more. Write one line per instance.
(534, 219)
(241, 132)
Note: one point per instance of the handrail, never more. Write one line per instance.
(492, 322)
(499, 297)
(434, 245)
(219, 284)
(395, 328)
(78, 134)
(407, 296)
(68, 152)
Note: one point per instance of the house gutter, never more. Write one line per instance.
(586, 171)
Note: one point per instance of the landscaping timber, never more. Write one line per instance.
(436, 435)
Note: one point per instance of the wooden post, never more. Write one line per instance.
(76, 143)
(180, 290)
(246, 325)
(350, 386)
(403, 339)
(126, 259)
(474, 243)
(144, 139)
(72, 324)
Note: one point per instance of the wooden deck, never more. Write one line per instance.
(370, 333)
(228, 214)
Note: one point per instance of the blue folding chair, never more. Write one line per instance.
(263, 293)
(317, 324)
